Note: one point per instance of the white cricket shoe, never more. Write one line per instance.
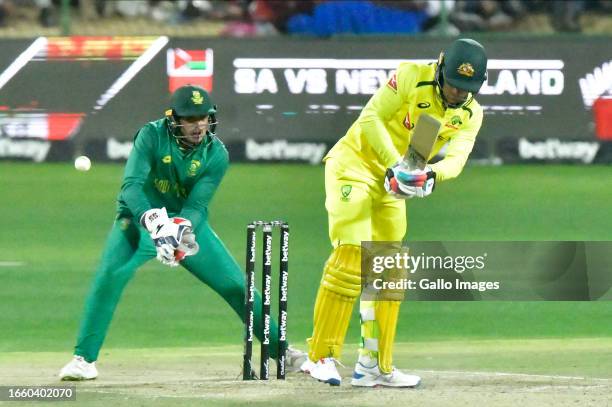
(294, 358)
(79, 369)
(324, 370)
(307, 366)
(372, 376)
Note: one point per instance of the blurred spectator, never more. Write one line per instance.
(325, 18)
(47, 16)
(486, 15)
(5, 11)
(276, 13)
(177, 12)
(565, 15)
(437, 12)
(604, 6)
(358, 17)
(49, 10)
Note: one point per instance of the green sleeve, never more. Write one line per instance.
(196, 206)
(137, 170)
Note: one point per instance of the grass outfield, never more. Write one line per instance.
(56, 220)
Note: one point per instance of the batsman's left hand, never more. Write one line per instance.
(406, 183)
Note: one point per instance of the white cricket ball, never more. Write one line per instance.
(82, 163)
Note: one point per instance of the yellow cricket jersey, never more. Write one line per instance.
(380, 136)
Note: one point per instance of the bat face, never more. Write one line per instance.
(422, 142)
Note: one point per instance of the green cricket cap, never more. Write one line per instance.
(191, 100)
(465, 65)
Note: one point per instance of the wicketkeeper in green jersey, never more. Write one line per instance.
(170, 177)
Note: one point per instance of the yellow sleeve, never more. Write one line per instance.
(459, 148)
(381, 107)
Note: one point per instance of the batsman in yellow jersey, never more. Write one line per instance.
(366, 185)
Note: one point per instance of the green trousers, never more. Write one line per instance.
(129, 246)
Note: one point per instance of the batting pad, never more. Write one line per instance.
(340, 286)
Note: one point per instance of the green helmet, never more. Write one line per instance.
(464, 65)
(190, 100)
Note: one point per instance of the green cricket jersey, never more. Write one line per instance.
(159, 173)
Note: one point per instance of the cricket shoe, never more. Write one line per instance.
(324, 370)
(294, 358)
(364, 376)
(79, 369)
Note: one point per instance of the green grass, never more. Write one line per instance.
(56, 220)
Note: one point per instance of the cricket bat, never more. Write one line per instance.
(422, 142)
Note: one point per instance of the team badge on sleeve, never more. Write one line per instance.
(346, 191)
(393, 83)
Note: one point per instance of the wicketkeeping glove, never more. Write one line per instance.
(165, 233)
(405, 183)
(188, 245)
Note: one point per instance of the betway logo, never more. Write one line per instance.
(595, 84)
(555, 149)
(284, 150)
(116, 150)
(33, 149)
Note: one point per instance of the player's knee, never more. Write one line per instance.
(343, 271)
(234, 289)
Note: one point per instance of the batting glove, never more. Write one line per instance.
(420, 182)
(166, 234)
(405, 183)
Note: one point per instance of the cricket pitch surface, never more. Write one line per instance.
(534, 372)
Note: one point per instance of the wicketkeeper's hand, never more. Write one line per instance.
(405, 183)
(165, 233)
(188, 245)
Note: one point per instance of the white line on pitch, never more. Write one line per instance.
(535, 376)
(11, 263)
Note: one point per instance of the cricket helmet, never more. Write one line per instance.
(463, 65)
(191, 101)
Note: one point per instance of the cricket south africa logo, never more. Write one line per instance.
(346, 191)
(193, 168)
(466, 69)
(197, 98)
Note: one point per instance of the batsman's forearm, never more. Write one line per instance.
(448, 168)
(457, 154)
(379, 139)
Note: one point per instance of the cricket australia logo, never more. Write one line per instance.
(466, 69)
(197, 98)
(454, 122)
(346, 191)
